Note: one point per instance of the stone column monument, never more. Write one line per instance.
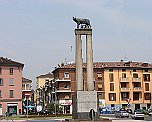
(85, 103)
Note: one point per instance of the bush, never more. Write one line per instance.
(51, 108)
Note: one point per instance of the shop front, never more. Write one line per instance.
(67, 107)
(12, 109)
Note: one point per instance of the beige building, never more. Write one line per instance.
(43, 89)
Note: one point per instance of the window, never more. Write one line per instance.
(135, 75)
(123, 75)
(0, 70)
(110, 70)
(111, 77)
(134, 70)
(123, 70)
(0, 93)
(146, 70)
(27, 86)
(123, 85)
(99, 76)
(1, 82)
(146, 77)
(111, 86)
(23, 86)
(11, 71)
(136, 96)
(11, 94)
(147, 96)
(112, 96)
(11, 82)
(124, 95)
(147, 86)
(66, 86)
(67, 97)
(66, 75)
(137, 84)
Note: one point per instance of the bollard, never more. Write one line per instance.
(92, 114)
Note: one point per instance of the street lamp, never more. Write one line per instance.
(27, 98)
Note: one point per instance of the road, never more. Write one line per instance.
(114, 119)
(30, 121)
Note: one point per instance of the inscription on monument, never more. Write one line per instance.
(87, 100)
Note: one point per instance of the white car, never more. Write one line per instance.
(121, 114)
(150, 113)
(137, 115)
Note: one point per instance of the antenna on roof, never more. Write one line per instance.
(125, 58)
(65, 60)
(71, 49)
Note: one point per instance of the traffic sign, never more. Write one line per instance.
(128, 105)
(128, 100)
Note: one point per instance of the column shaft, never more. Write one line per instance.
(79, 63)
(89, 61)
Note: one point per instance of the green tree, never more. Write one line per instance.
(52, 108)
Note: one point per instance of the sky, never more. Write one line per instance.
(40, 33)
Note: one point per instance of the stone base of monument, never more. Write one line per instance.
(85, 105)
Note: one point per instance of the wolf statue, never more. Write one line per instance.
(82, 23)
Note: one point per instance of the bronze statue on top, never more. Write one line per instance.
(82, 23)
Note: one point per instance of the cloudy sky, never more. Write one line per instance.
(40, 33)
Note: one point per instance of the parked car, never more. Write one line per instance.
(150, 113)
(122, 109)
(129, 111)
(121, 114)
(137, 115)
(105, 111)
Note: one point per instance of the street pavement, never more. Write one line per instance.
(111, 117)
(114, 119)
(30, 120)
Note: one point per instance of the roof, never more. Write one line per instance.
(49, 75)
(9, 62)
(121, 64)
(26, 80)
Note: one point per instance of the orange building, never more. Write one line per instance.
(119, 84)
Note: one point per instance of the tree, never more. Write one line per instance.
(51, 108)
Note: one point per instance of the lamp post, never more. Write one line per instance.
(27, 107)
(27, 98)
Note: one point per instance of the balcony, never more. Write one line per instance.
(124, 89)
(137, 88)
(124, 79)
(63, 91)
(62, 80)
(137, 79)
(26, 89)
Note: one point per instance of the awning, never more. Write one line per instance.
(11, 104)
(29, 106)
(67, 103)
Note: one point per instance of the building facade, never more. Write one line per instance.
(65, 80)
(43, 91)
(119, 84)
(10, 86)
(27, 98)
(128, 84)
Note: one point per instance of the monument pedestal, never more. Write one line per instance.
(85, 105)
